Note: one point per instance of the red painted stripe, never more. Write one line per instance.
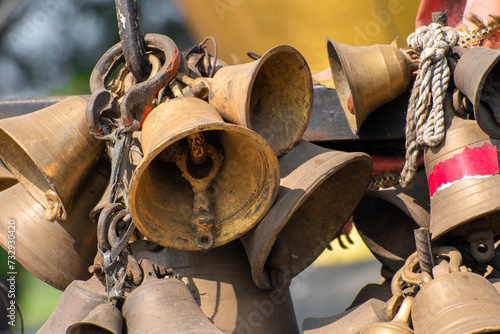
(477, 161)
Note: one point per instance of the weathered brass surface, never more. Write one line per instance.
(319, 190)
(220, 280)
(56, 252)
(367, 77)
(386, 219)
(473, 200)
(477, 75)
(398, 325)
(272, 96)
(7, 180)
(457, 302)
(103, 319)
(352, 321)
(77, 301)
(164, 305)
(51, 152)
(161, 199)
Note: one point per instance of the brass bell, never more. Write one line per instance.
(243, 170)
(463, 178)
(351, 321)
(456, 302)
(272, 96)
(386, 219)
(319, 190)
(477, 75)
(51, 152)
(221, 282)
(76, 303)
(367, 77)
(56, 252)
(398, 325)
(103, 319)
(7, 180)
(164, 305)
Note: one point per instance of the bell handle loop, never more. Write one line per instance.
(408, 273)
(404, 311)
(454, 256)
(138, 100)
(54, 208)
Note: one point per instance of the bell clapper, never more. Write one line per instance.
(200, 175)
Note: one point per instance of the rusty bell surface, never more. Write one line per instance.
(272, 96)
(386, 220)
(57, 252)
(319, 190)
(463, 178)
(161, 196)
(51, 152)
(220, 281)
(367, 77)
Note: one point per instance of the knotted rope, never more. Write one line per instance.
(425, 116)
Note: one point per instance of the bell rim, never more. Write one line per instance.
(157, 149)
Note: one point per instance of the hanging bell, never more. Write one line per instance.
(56, 252)
(51, 152)
(7, 180)
(319, 190)
(272, 96)
(456, 302)
(164, 305)
(477, 75)
(104, 319)
(463, 178)
(386, 219)
(221, 283)
(234, 186)
(351, 321)
(367, 77)
(77, 301)
(398, 325)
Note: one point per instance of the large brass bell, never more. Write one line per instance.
(463, 178)
(319, 190)
(456, 302)
(164, 305)
(103, 319)
(51, 152)
(272, 96)
(386, 219)
(234, 187)
(221, 282)
(351, 321)
(76, 303)
(398, 325)
(367, 77)
(56, 252)
(477, 76)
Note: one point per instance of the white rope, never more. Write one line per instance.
(425, 116)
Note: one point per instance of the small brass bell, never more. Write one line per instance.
(272, 96)
(104, 319)
(51, 152)
(367, 77)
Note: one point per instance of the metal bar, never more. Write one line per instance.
(129, 29)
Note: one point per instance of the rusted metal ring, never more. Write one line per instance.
(103, 225)
(139, 99)
(113, 237)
